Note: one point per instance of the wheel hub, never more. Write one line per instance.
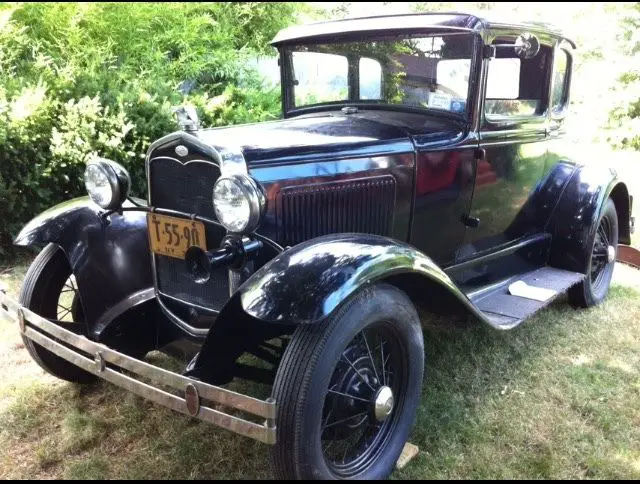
(383, 403)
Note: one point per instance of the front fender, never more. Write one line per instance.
(308, 282)
(110, 259)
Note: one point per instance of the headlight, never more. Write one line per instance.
(238, 203)
(107, 183)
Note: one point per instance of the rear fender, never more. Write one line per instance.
(574, 221)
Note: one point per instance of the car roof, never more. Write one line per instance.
(403, 23)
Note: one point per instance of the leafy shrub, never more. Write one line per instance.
(26, 121)
(624, 118)
(84, 79)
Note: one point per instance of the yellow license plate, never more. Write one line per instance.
(172, 236)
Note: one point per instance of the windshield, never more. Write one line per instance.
(429, 72)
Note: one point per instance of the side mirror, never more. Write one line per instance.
(527, 46)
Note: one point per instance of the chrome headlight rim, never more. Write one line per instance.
(253, 194)
(117, 177)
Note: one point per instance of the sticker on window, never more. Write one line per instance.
(458, 105)
(439, 101)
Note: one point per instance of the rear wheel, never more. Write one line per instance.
(49, 290)
(603, 249)
(348, 388)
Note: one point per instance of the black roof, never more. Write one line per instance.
(435, 21)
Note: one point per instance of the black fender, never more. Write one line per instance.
(574, 221)
(310, 281)
(109, 258)
(307, 283)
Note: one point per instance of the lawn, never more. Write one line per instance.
(555, 398)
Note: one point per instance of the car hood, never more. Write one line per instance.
(366, 132)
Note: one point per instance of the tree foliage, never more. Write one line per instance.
(625, 116)
(84, 79)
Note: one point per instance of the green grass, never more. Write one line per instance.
(555, 398)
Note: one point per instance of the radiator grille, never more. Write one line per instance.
(188, 188)
(173, 280)
(364, 206)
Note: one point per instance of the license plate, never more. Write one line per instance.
(172, 236)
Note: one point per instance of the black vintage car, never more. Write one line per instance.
(418, 165)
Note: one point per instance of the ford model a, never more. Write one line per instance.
(418, 164)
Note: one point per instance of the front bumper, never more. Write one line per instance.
(126, 372)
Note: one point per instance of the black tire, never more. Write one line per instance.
(595, 286)
(310, 365)
(40, 293)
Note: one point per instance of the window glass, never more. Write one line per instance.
(515, 86)
(320, 77)
(452, 75)
(370, 74)
(503, 80)
(421, 72)
(560, 69)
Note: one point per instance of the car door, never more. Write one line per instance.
(513, 130)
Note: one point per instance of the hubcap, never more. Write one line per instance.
(383, 404)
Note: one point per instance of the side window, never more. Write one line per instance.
(370, 73)
(452, 80)
(503, 81)
(516, 87)
(320, 77)
(560, 71)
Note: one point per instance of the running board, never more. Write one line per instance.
(506, 311)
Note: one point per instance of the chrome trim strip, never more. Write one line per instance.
(184, 163)
(102, 356)
(232, 160)
(200, 333)
(181, 135)
(209, 311)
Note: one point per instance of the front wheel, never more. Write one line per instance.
(49, 290)
(348, 388)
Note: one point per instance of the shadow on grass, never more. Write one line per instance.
(102, 431)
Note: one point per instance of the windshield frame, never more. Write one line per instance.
(288, 95)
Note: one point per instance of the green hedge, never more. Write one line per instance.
(80, 80)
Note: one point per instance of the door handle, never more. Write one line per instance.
(471, 222)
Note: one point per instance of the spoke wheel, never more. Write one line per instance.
(600, 256)
(603, 253)
(347, 390)
(367, 384)
(50, 290)
(69, 308)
